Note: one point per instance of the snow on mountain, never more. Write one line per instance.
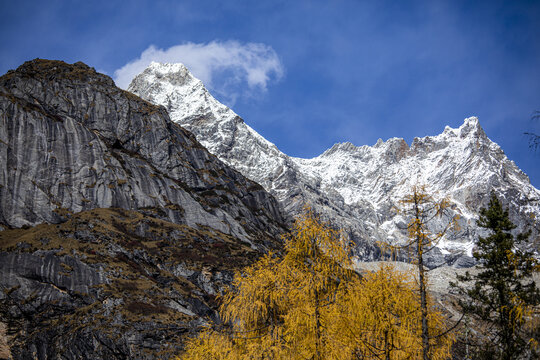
(356, 188)
(216, 126)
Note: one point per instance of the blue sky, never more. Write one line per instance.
(308, 74)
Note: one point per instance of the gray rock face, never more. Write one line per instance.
(111, 284)
(118, 229)
(45, 274)
(71, 141)
(357, 188)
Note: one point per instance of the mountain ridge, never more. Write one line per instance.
(347, 182)
(105, 147)
(118, 229)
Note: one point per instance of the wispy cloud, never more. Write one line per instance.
(225, 67)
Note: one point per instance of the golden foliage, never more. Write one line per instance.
(379, 318)
(421, 207)
(309, 304)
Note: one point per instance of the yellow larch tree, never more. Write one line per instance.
(378, 318)
(422, 208)
(275, 308)
(309, 304)
(317, 269)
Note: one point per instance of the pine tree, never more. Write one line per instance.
(502, 294)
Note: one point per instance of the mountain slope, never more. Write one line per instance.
(111, 284)
(356, 188)
(216, 126)
(117, 227)
(71, 141)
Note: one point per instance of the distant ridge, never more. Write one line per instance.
(356, 187)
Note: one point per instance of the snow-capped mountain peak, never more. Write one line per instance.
(215, 125)
(355, 187)
(470, 128)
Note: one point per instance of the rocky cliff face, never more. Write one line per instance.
(111, 284)
(119, 227)
(71, 141)
(357, 188)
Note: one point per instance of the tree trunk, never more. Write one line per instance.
(421, 275)
(386, 346)
(318, 355)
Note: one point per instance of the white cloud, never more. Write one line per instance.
(224, 67)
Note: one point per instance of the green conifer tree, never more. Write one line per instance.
(502, 294)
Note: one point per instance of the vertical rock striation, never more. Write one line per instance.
(118, 229)
(72, 141)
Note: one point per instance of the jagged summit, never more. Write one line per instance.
(168, 68)
(356, 187)
(469, 129)
(470, 125)
(174, 74)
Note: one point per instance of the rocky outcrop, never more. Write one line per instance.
(72, 141)
(111, 284)
(5, 353)
(358, 188)
(118, 229)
